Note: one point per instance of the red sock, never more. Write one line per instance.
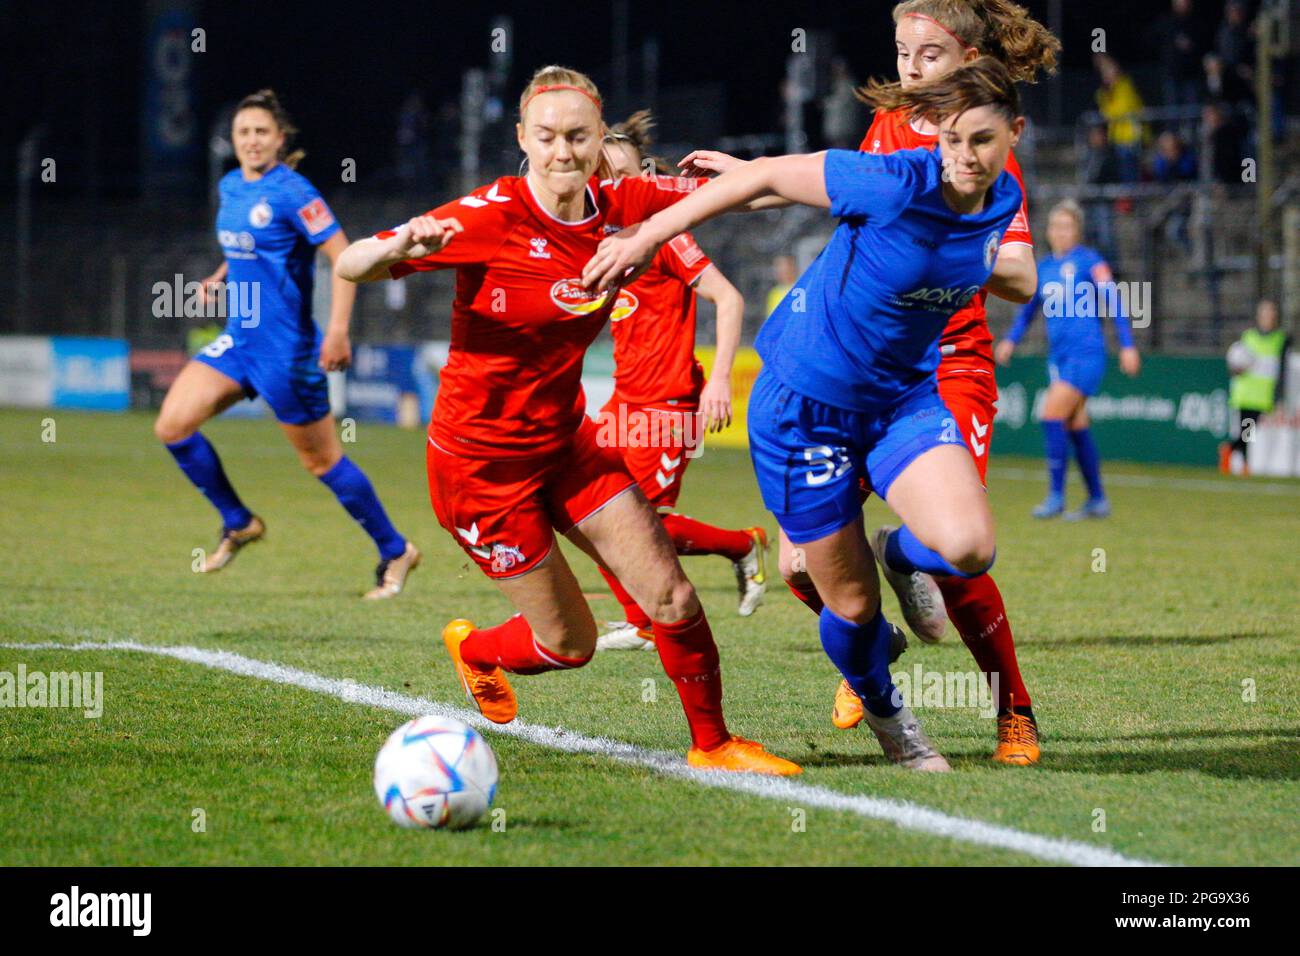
(695, 537)
(632, 612)
(975, 608)
(690, 660)
(808, 594)
(512, 647)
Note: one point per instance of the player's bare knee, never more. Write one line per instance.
(677, 602)
(169, 431)
(971, 552)
(856, 606)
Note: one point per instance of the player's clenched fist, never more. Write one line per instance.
(620, 258)
(425, 235)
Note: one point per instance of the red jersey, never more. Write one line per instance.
(521, 320)
(966, 342)
(654, 347)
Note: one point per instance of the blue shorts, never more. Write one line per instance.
(812, 459)
(1084, 371)
(291, 382)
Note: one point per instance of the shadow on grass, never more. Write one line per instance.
(1261, 762)
(1151, 640)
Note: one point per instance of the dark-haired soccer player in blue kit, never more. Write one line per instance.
(1075, 291)
(270, 224)
(847, 397)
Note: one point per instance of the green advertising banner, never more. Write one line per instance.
(1175, 411)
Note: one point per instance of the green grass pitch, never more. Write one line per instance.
(1166, 685)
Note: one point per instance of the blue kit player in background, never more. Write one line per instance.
(1075, 291)
(270, 225)
(848, 397)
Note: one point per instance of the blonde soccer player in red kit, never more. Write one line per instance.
(934, 37)
(511, 456)
(662, 403)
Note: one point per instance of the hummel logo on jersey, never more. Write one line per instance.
(979, 431)
(474, 202)
(538, 250)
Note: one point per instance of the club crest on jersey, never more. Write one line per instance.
(570, 296)
(505, 557)
(260, 215)
(991, 248)
(538, 250)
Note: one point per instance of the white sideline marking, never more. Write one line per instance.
(1242, 486)
(909, 816)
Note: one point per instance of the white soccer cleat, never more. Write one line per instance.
(622, 636)
(751, 573)
(918, 595)
(905, 743)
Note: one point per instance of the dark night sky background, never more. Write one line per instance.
(343, 69)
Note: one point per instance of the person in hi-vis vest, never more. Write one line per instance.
(1257, 363)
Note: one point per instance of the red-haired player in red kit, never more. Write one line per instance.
(661, 402)
(932, 38)
(511, 455)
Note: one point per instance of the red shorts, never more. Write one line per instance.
(505, 512)
(972, 398)
(656, 442)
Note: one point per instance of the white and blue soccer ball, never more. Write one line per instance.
(435, 772)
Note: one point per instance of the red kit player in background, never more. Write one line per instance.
(511, 455)
(661, 403)
(933, 37)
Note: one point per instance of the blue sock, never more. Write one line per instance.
(355, 493)
(198, 459)
(1085, 449)
(861, 652)
(905, 553)
(1058, 456)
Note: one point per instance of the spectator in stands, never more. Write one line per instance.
(1222, 84)
(783, 270)
(1224, 141)
(1119, 102)
(1173, 161)
(413, 156)
(1257, 364)
(1181, 40)
(1100, 168)
(841, 111)
(1235, 48)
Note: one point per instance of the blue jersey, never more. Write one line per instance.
(269, 230)
(860, 329)
(1075, 292)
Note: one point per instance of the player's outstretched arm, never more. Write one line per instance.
(336, 348)
(1015, 274)
(367, 260)
(799, 178)
(715, 400)
(701, 162)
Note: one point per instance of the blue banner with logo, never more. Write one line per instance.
(90, 373)
(378, 378)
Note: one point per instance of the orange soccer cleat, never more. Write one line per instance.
(847, 712)
(231, 541)
(1017, 738)
(739, 754)
(489, 691)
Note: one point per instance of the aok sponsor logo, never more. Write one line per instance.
(570, 296)
(940, 299)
